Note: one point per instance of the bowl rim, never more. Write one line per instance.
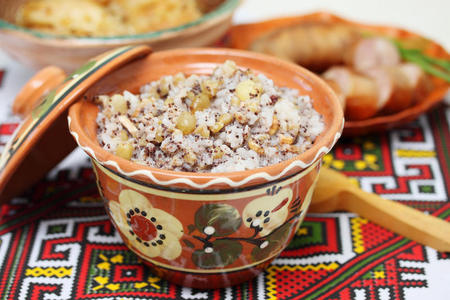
(224, 9)
(299, 163)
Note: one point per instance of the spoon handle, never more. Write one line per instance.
(409, 222)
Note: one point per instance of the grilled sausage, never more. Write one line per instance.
(419, 82)
(371, 53)
(315, 46)
(361, 96)
(395, 92)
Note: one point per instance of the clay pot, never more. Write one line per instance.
(206, 230)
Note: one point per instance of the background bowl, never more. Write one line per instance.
(242, 36)
(37, 49)
(206, 230)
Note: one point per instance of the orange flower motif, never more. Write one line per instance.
(151, 231)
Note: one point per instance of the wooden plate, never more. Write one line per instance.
(242, 36)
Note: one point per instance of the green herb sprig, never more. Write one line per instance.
(434, 66)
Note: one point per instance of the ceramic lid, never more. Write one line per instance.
(42, 140)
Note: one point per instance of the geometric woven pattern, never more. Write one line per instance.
(57, 243)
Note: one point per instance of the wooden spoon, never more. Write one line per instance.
(335, 192)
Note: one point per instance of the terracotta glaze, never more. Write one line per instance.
(206, 230)
(42, 139)
(38, 86)
(242, 36)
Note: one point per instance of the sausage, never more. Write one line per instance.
(394, 88)
(315, 46)
(419, 82)
(371, 53)
(361, 95)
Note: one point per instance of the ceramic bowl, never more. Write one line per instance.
(242, 36)
(38, 50)
(206, 230)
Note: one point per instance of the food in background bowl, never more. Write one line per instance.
(105, 17)
(40, 49)
(384, 76)
(367, 72)
(232, 120)
(204, 229)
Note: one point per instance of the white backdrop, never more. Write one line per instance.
(430, 18)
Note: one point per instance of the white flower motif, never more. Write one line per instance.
(151, 231)
(269, 212)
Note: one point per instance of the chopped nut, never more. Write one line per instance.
(191, 95)
(139, 109)
(229, 67)
(135, 113)
(217, 153)
(163, 88)
(223, 121)
(168, 101)
(203, 131)
(295, 149)
(158, 135)
(210, 87)
(254, 106)
(190, 158)
(179, 77)
(255, 147)
(216, 127)
(128, 125)
(159, 138)
(274, 127)
(143, 143)
(248, 89)
(119, 104)
(226, 118)
(125, 150)
(186, 122)
(262, 137)
(285, 139)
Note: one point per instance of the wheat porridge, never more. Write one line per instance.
(232, 120)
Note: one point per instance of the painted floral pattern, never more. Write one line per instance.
(266, 216)
(266, 213)
(151, 231)
(219, 234)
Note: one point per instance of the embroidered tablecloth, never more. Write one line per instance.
(56, 241)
